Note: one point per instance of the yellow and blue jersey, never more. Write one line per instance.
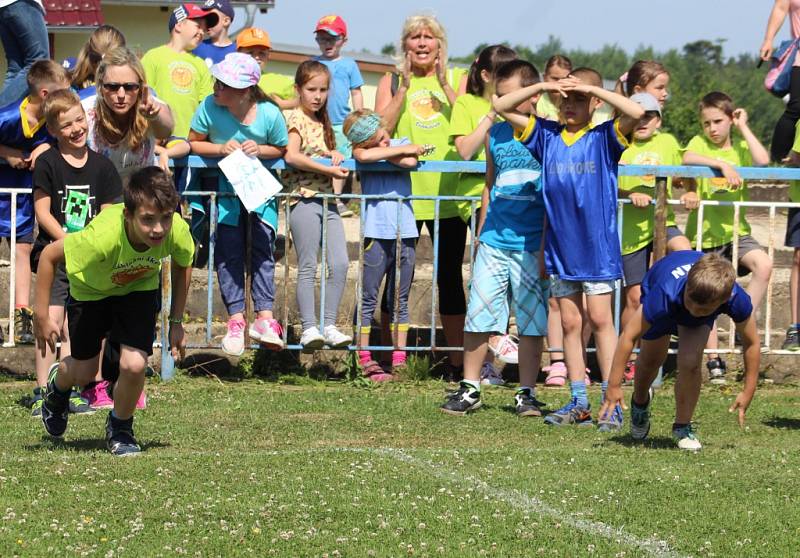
(580, 195)
(16, 132)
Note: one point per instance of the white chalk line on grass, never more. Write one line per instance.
(524, 502)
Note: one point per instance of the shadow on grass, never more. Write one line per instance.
(651, 442)
(86, 444)
(783, 423)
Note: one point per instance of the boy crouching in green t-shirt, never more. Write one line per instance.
(113, 266)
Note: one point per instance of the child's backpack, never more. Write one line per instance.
(779, 76)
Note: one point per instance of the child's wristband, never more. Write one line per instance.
(173, 320)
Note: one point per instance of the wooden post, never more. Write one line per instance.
(660, 240)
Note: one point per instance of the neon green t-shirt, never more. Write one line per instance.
(638, 223)
(794, 185)
(467, 113)
(545, 108)
(101, 261)
(181, 80)
(718, 221)
(277, 84)
(425, 119)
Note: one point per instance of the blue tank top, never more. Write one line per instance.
(515, 216)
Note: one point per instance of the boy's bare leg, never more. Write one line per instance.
(600, 314)
(129, 385)
(475, 348)
(530, 359)
(758, 262)
(572, 326)
(42, 364)
(22, 275)
(652, 354)
(690, 354)
(555, 336)
(794, 285)
(72, 371)
(633, 295)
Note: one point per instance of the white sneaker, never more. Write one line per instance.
(686, 438)
(506, 350)
(312, 340)
(233, 342)
(335, 339)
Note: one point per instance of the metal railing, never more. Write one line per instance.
(472, 167)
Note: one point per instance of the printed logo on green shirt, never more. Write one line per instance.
(426, 108)
(181, 75)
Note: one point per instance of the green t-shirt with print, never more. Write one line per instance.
(277, 84)
(101, 261)
(467, 114)
(718, 220)
(181, 80)
(638, 223)
(425, 119)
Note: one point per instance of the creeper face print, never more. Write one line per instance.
(77, 210)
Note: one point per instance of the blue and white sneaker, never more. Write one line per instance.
(490, 376)
(571, 413)
(686, 438)
(612, 422)
(640, 419)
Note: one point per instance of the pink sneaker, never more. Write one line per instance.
(556, 375)
(97, 396)
(268, 332)
(233, 342)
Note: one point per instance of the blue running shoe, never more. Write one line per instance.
(612, 422)
(640, 419)
(55, 411)
(571, 413)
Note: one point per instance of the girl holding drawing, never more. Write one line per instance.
(240, 116)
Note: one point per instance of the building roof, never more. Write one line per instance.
(65, 15)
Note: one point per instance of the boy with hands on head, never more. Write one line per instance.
(582, 253)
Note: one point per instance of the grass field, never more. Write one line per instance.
(335, 469)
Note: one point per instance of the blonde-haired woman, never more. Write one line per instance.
(102, 40)
(125, 119)
(416, 103)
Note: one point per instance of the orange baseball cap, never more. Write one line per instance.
(253, 36)
(332, 24)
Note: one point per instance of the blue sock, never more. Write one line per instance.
(578, 392)
(603, 387)
(796, 326)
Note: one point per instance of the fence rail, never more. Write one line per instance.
(471, 167)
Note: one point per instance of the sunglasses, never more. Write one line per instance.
(128, 87)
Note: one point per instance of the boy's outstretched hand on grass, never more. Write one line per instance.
(741, 404)
(613, 398)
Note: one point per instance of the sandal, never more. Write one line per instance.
(373, 371)
(556, 375)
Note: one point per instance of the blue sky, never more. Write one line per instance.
(628, 23)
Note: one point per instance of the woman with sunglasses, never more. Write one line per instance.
(125, 118)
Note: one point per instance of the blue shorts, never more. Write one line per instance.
(342, 143)
(792, 239)
(502, 275)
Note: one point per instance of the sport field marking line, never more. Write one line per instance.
(524, 502)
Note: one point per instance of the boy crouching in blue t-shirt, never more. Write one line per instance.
(683, 293)
(582, 250)
(509, 257)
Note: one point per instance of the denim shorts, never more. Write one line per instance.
(565, 287)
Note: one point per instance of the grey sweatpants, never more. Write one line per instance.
(305, 223)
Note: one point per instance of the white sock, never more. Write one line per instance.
(474, 383)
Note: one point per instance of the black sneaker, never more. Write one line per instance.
(23, 326)
(792, 342)
(55, 411)
(119, 437)
(466, 399)
(526, 404)
(716, 371)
